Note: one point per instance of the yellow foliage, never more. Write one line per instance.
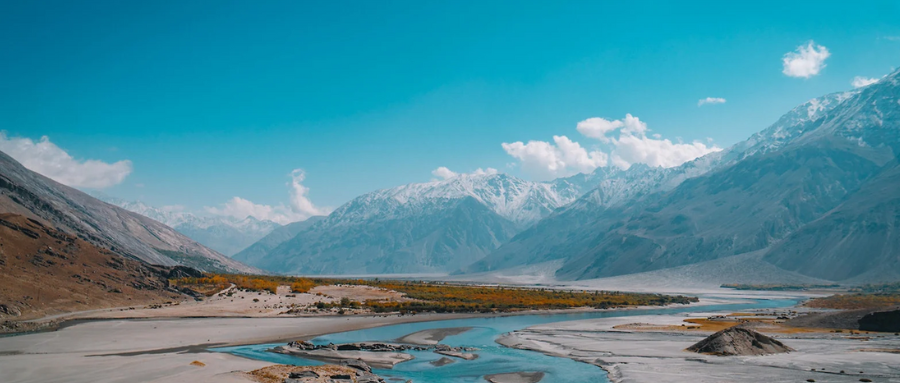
(441, 297)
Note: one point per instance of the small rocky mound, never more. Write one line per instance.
(739, 341)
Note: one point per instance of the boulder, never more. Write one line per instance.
(9, 310)
(302, 344)
(883, 321)
(356, 364)
(441, 362)
(349, 347)
(303, 374)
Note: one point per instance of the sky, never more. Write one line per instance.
(289, 109)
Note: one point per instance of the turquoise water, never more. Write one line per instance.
(493, 358)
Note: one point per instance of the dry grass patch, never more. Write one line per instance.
(359, 293)
(279, 372)
(855, 301)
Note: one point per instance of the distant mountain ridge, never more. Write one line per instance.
(260, 248)
(227, 235)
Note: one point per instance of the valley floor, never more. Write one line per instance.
(160, 344)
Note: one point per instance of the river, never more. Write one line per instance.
(493, 358)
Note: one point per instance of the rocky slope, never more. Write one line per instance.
(106, 226)
(858, 239)
(458, 233)
(46, 271)
(572, 227)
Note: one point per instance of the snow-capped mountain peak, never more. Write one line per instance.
(520, 201)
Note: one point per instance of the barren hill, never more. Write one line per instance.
(123, 232)
(44, 271)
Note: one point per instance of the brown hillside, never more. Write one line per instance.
(44, 271)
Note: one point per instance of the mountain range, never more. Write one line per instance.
(424, 227)
(811, 191)
(225, 234)
(814, 193)
(813, 196)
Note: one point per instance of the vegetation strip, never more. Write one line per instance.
(436, 297)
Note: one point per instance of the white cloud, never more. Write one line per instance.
(300, 207)
(632, 149)
(711, 100)
(46, 158)
(634, 125)
(806, 61)
(633, 146)
(596, 127)
(860, 81)
(628, 144)
(546, 160)
(444, 173)
(300, 203)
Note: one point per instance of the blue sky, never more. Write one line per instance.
(214, 100)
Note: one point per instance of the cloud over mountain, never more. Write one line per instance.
(46, 158)
(300, 206)
(860, 81)
(545, 160)
(626, 139)
(444, 173)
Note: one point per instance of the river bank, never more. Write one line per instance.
(493, 359)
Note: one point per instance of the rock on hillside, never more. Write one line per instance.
(739, 341)
(884, 321)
